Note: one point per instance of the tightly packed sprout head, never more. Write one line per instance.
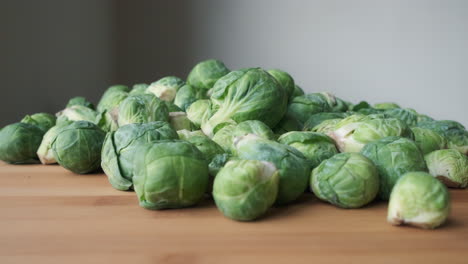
(245, 189)
(393, 157)
(353, 132)
(44, 152)
(449, 166)
(139, 88)
(205, 74)
(316, 147)
(120, 147)
(77, 113)
(302, 107)
(454, 132)
(428, 140)
(80, 100)
(326, 126)
(285, 80)
(294, 168)
(159, 184)
(43, 120)
(418, 199)
(187, 94)
(19, 143)
(247, 94)
(207, 147)
(142, 108)
(296, 92)
(77, 147)
(316, 119)
(179, 121)
(347, 180)
(112, 97)
(166, 88)
(199, 112)
(386, 106)
(409, 116)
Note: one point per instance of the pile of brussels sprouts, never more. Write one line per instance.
(251, 139)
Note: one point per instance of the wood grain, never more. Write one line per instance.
(50, 215)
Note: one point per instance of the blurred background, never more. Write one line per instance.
(414, 52)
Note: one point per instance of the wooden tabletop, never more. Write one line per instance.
(50, 215)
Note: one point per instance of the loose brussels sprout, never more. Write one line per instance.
(139, 88)
(186, 95)
(44, 152)
(327, 126)
(224, 138)
(107, 120)
(179, 121)
(166, 88)
(80, 100)
(316, 119)
(409, 116)
(347, 180)
(297, 92)
(205, 74)
(302, 107)
(217, 163)
(120, 147)
(428, 140)
(184, 134)
(248, 94)
(393, 157)
(77, 147)
(359, 106)
(454, 132)
(371, 111)
(207, 147)
(142, 108)
(112, 97)
(171, 107)
(316, 147)
(286, 124)
(340, 105)
(418, 199)
(245, 189)
(77, 113)
(199, 112)
(424, 118)
(353, 132)
(159, 184)
(294, 168)
(19, 143)
(284, 79)
(386, 106)
(449, 166)
(43, 120)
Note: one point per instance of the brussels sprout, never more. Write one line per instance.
(77, 113)
(393, 157)
(159, 184)
(245, 189)
(120, 147)
(107, 120)
(248, 94)
(217, 163)
(43, 120)
(185, 134)
(454, 132)
(139, 88)
(79, 100)
(449, 166)
(340, 105)
(77, 147)
(207, 147)
(418, 199)
(284, 79)
(44, 152)
(224, 137)
(409, 116)
(166, 88)
(371, 111)
(316, 119)
(199, 112)
(359, 106)
(171, 107)
(347, 180)
(353, 132)
(424, 118)
(302, 107)
(286, 124)
(294, 168)
(19, 143)
(142, 108)
(205, 74)
(112, 97)
(297, 92)
(186, 95)
(316, 147)
(428, 140)
(386, 106)
(327, 126)
(179, 121)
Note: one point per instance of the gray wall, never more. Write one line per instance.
(410, 52)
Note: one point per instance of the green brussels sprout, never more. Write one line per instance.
(184, 134)
(77, 113)
(355, 131)
(179, 121)
(386, 106)
(112, 97)
(142, 108)
(217, 163)
(370, 111)
(454, 132)
(340, 105)
(428, 140)
(393, 157)
(316, 147)
(120, 147)
(139, 88)
(245, 189)
(199, 112)
(44, 152)
(77, 147)
(294, 168)
(326, 126)
(186, 95)
(359, 106)
(424, 118)
(316, 119)
(286, 124)
(347, 180)
(43, 120)
(205, 74)
(458, 139)
(166, 88)
(248, 94)
(302, 107)
(420, 200)
(80, 100)
(171, 107)
(207, 147)
(449, 166)
(409, 116)
(159, 184)
(107, 120)
(224, 137)
(284, 79)
(297, 92)
(19, 143)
